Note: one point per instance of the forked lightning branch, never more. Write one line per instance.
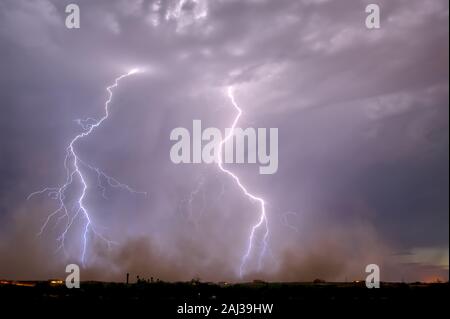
(71, 195)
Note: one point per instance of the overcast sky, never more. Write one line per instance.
(363, 137)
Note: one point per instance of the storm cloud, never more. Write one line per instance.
(363, 136)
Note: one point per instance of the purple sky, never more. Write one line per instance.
(363, 136)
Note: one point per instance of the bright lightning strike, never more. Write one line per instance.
(262, 217)
(191, 199)
(76, 172)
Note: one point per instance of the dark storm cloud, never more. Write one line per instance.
(363, 120)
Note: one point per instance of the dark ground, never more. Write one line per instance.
(161, 300)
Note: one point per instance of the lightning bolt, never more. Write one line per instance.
(76, 172)
(191, 199)
(262, 221)
(286, 222)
